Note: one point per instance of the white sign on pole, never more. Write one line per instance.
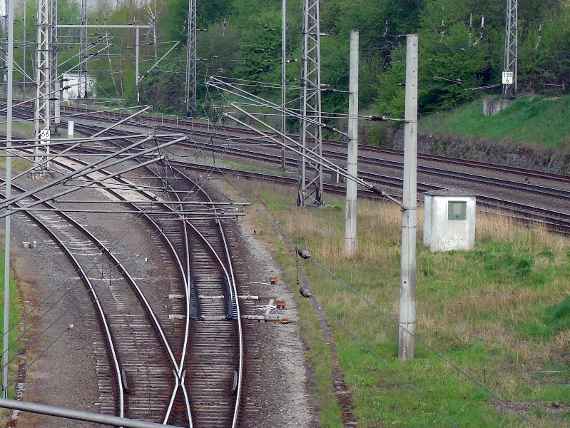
(45, 136)
(508, 78)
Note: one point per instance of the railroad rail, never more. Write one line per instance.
(367, 151)
(128, 323)
(556, 220)
(213, 367)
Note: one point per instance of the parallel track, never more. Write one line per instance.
(367, 151)
(554, 220)
(129, 325)
(213, 366)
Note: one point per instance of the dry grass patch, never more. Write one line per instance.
(485, 323)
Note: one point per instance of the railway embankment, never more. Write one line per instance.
(533, 132)
(516, 155)
(493, 333)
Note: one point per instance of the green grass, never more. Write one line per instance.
(531, 120)
(21, 129)
(15, 315)
(476, 313)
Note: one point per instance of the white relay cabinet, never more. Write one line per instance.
(449, 220)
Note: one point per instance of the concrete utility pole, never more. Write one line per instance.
(510, 72)
(137, 63)
(283, 78)
(42, 113)
(350, 237)
(8, 219)
(407, 327)
(83, 51)
(191, 60)
(311, 174)
(24, 52)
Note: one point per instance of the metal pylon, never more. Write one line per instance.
(83, 51)
(55, 82)
(191, 59)
(311, 174)
(42, 112)
(511, 48)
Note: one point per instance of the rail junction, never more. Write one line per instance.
(176, 337)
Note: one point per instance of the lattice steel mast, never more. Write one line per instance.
(311, 174)
(191, 59)
(83, 51)
(42, 112)
(510, 76)
(55, 82)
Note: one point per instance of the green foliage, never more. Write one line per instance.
(260, 44)
(461, 47)
(558, 317)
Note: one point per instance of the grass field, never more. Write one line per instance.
(531, 120)
(21, 130)
(493, 324)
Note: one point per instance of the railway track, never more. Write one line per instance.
(210, 360)
(216, 336)
(555, 219)
(132, 335)
(366, 151)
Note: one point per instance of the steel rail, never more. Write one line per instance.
(548, 217)
(228, 273)
(235, 297)
(178, 366)
(232, 132)
(115, 363)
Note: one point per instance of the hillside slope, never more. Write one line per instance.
(531, 120)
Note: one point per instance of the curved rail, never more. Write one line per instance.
(99, 308)
(185, 272)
